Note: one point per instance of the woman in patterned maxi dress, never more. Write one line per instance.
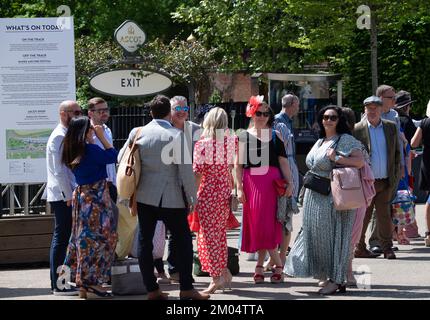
(322, 248)
(213, 160)
(91, 248)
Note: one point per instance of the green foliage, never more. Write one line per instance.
(283, 36)
(186, 61)
(100, 18)
(403, 63)
(215, 97)
(251, 35)
(90, 56)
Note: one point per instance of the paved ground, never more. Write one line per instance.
(407, 277)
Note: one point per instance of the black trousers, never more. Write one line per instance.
(176, 221)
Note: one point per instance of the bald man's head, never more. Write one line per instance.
(69, 109)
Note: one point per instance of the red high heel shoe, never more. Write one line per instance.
(277, 276)
(259, 277)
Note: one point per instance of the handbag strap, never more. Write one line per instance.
(132, 148)
(136, 137)
(333, 145)
(337, 142)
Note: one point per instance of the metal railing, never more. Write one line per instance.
(22, 198)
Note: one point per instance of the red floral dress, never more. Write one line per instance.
(211, 160)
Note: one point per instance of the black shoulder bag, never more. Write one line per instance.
(317, 183)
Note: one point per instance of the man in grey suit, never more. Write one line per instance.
(167, 192)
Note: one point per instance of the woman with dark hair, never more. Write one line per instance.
(92, 244)
(322, 248)
(261, 161)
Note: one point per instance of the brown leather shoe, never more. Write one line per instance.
(364, 253)
(193, 294)
(157, 295)
(389, 254)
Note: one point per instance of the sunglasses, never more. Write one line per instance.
(265, 114)
(330, 117)
(179, 108)
(76, 112)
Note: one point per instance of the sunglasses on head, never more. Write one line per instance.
(179, 108)
(76, 112)
(265, 114)
(327, 117)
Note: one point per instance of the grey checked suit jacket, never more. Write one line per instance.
(164, 175)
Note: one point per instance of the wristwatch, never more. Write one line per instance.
(336, 158)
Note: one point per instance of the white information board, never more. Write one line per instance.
(37, 72)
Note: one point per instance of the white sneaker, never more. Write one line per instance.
(66, 292)
(162, 279)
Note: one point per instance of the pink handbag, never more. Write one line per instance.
(346, 189)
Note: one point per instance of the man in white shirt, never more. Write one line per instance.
(58, 192)
(98, 112)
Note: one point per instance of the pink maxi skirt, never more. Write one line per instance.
(260, 228)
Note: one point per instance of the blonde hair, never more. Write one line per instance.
(216, 119)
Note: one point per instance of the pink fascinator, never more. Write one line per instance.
(253, 104)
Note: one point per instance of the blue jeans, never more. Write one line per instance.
(60, 238)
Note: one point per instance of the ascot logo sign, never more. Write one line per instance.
(130, 83)
(130, 36)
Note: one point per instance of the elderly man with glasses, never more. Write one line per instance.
(192, 131)
(387, 94)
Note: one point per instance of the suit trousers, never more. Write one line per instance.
(176, 221)
(374, 239)
(382, 204)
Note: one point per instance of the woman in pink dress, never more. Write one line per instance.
(213, 161)
(261, 161)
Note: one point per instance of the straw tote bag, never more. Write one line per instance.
(129, 167)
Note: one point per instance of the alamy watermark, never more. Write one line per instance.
(363, 21)
(178, 150)
(64, 20)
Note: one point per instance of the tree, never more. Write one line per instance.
(188, 62)
(283, 36)
(99, 18)
(250, 35)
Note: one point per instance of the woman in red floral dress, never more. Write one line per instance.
(213, 161)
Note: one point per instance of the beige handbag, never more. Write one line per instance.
(346, 189)
(128, 174)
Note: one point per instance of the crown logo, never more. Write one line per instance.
(130, 30)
